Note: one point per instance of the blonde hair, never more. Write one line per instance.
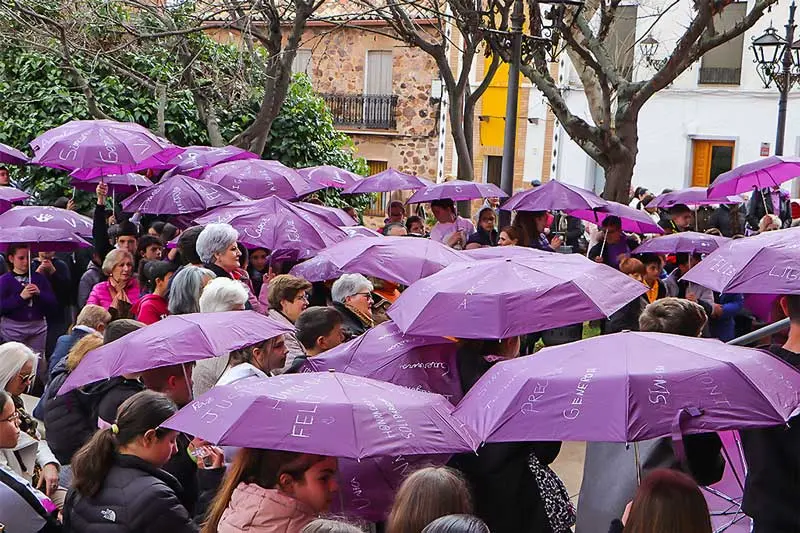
(425, 495)
(115, 257)
(93, 316)
(81, 348)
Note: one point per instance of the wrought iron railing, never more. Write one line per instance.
(720, 76)
(366, 111)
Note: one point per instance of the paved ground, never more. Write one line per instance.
(569, 467)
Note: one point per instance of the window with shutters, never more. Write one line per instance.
(723, 64)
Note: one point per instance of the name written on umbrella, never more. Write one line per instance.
(571, 413)
(391, 423)
(658, 391)
(787, 273)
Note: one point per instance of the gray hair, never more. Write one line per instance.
(223, 294)
(215, 239)
(185, 288)
(349, 285)
(13, 356)
(115, 257)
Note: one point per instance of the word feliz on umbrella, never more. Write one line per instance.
(12, 156)
(456, 190)
(197, 159)
(554, 196)
(760, 174)
(258, 178)
(684, 242)
(388, 181)
(691, 196)
(630, 387)
(330, 176)
(325, 413)
(334, 215)
(385, 353)
(768, 263)
(180, 195)
(288, 230)
(39, 239)
(174, 340)
(91, 148)
(501, 298)
(47, 217)
(399, 259)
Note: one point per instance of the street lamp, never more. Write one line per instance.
(777, 60)
(649, 47)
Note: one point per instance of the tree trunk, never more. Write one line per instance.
(622, 159)
(460, 141)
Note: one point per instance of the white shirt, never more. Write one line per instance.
(442, 231)
(240, 372)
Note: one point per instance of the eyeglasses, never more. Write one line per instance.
(14, 418)
(303, 297)
(362, 294)
(26, 379)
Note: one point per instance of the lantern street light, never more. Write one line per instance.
(649, 47)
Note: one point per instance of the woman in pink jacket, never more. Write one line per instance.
(121, 292)
(270, 491)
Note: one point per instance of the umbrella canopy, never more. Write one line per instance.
(330, 176)
(47, 217)
(334, 215)
(40, 239)
(686, 241)
(388, 181)
(259, 178)
(12, 156)
(197, 159)
(91, 148)
(385, 353)
(360, 231)
(10, 194)
(760, 174)
(634, 220)
(629, 387)
(174, 340)
(554, 196)
(768, 263)
(400, 259)
(503, 252)
(500, 298)
(691, 196)
(179, 195)
(326, 413)
(288, 230)
(117, 183)
(456, 190)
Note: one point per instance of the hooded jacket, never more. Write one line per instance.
(254, 509)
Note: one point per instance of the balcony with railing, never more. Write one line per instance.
(720, 76)
(363, 111)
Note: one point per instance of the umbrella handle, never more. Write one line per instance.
(603, 246)
(638, 462)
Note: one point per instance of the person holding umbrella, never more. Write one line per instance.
(531, 225)
(769, 201)
(450, 229)
(614, 245)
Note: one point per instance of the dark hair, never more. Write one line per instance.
(792, 306)
(116, 329)
(156, 379)
(187, 245)
(446, 203)
(650, 259)
(61, 202)
(151, 271)
(4, 399)
(413, 220)
(480, 213)
(647, 198)
(611, 220)
(245, 355)
(126, 228)
(137, 415)
(673, 315)
(512, 232)
(260, 467)
(426, 495)
(679, 209)
(668, 501)
(168, 232)
(144, 242)
(244, 255)
(12, 250)
(457, 523)
(316, 322)
(525, 224)
(158, 226)
(682, 258)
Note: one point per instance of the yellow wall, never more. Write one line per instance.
(494, 107)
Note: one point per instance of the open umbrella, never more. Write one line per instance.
(259, 178)
(685, 241)
(179, 195)
(10, 195)
(39, 239)
(334, 215)
(388, 181)
(629, 387)
(385, 353)
(197, 159)
(634, 220)
(46, 217)
(174, 340)
(360, 231)
(500, 298)
(502, 252)
(760, 174)
(12, 156)
(692, 196)
(456, 190)
(768, 263)
(400, 259)
(91, 148)
(117, 183)
(330, 176)
(554, 196)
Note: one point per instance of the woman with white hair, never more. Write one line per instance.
(221, 294)
(121, 291)
(352, 297)
(218, 249)
(185, 288)
(32, 458)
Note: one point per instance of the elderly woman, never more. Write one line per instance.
(352, 297)
(32, 458)
(120, 292)
(221, 294)
(288, 297)
(185, 288)
(218, 249)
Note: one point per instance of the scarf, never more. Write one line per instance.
(652, 292)
(364, 318)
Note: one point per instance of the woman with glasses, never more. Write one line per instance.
(288, 297)
(31, 459)
(352, 297)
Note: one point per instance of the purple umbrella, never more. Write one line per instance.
(400, 259)
(691, 196)
(760, 174)
(687, 241)
(360, 231)
(456, 190)
(388, 181)
(117, 183)
(40, 239)
(763, 264)
(330, 176)
(11, 195)
(326, 413)
(174, 340)
(635, 220)
(500, 298)
(12, 156)
(91, 148)
(554, 196)
(724, 498)
(334, 215)
(629, 387)
(385, 353)
(259, 178)
(197, 159)
(503, 252)
(279, 226)
(47, 217)
(179, 195)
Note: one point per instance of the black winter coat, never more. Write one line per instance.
(135, 497)
(351, 324)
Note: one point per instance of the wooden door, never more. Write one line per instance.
(709, 160)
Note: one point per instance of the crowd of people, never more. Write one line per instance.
(96, 459)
